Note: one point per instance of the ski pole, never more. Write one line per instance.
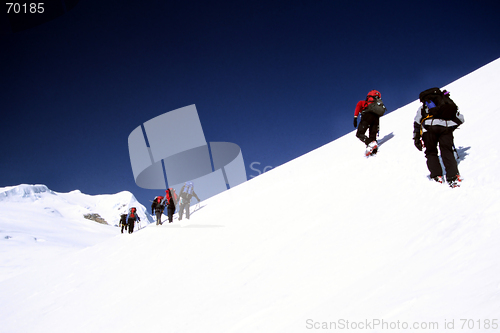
(455, 149)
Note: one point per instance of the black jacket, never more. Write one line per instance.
(155, 206)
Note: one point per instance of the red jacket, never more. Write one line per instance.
(360, 107)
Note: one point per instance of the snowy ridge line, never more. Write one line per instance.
(24, 191)
(109, 205)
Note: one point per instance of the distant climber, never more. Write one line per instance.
(157, 208)
(371, 109)
(185, 195)
(170, 202)
(434, 123)
(132, 217)
(123, 222)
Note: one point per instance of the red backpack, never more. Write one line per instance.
(170, 196)
(133, 211)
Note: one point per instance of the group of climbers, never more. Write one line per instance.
(170, 201)
(127, 221)
(437, 117)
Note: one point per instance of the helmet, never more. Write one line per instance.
(374, 93)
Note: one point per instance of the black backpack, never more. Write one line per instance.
(438, 103)
(377, 107)
(123, 219)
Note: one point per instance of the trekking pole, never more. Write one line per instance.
(455, 149)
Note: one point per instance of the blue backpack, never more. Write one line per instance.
(188, 188)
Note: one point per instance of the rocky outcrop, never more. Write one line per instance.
(95, 217)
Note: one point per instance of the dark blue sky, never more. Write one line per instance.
(278, 78)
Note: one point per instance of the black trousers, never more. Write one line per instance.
(131, 223)
(369, 121)
(158, 216)
(442, 136)
(124, 226)
(170, 213)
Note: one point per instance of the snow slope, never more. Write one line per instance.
(327, 238)
(37, 223)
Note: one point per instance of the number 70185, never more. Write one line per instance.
(25, 8)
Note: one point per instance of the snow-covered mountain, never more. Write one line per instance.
(329, 241)
(75, 203)
(37, 222)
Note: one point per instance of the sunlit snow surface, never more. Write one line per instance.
(327, 238)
